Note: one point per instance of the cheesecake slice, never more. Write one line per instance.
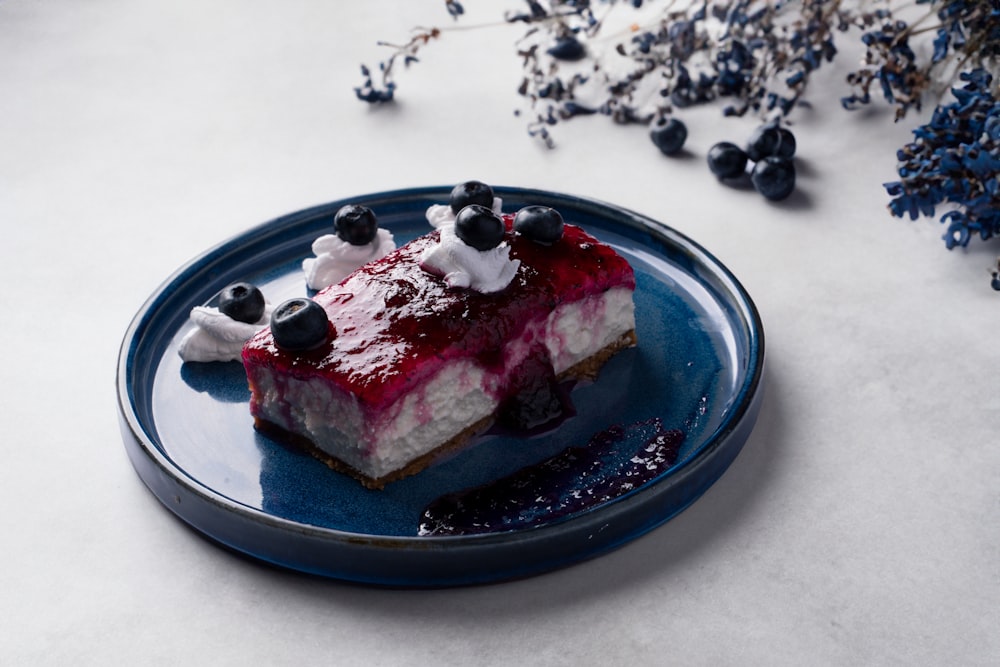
(415, 366)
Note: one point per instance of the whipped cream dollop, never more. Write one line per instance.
(336, 258)
(440, 215)
(462, 266)
(218, 337)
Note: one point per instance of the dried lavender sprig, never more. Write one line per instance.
(384, 89)
(758, 54)
(955, 159)
(967, 35)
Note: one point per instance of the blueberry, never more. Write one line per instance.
(539, 223)
(299, 324)
(768, 140)
(774, 177)
(471, 192)
(995, 282)
(727, 160)
(242, 302)
(567, 48)
(356, 224)
(669, 135)
(786, 143)
(479, 227)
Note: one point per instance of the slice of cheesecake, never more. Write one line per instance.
(415, 366)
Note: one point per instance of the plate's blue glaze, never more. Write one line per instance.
(189, 434)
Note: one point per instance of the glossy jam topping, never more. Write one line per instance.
(613, 463)
(396, 324)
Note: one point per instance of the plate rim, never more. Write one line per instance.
(152, 464)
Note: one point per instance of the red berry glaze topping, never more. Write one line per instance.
(396, 323)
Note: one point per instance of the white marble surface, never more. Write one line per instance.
(858, 526)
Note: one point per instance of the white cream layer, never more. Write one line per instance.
(216, 336)
(463, 267)
(335, 258)
(460, 395)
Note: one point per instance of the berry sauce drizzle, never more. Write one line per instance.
(534, 397)
(575, 479)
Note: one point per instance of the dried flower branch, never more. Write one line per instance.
(955, 159)
(385, 90)
(757, 53)
(758, 56)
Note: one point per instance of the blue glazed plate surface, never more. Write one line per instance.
(698, 367)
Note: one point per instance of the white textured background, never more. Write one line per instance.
(858, 526)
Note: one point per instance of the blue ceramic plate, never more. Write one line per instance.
(187, 429)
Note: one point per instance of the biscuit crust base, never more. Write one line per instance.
(587, 369)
